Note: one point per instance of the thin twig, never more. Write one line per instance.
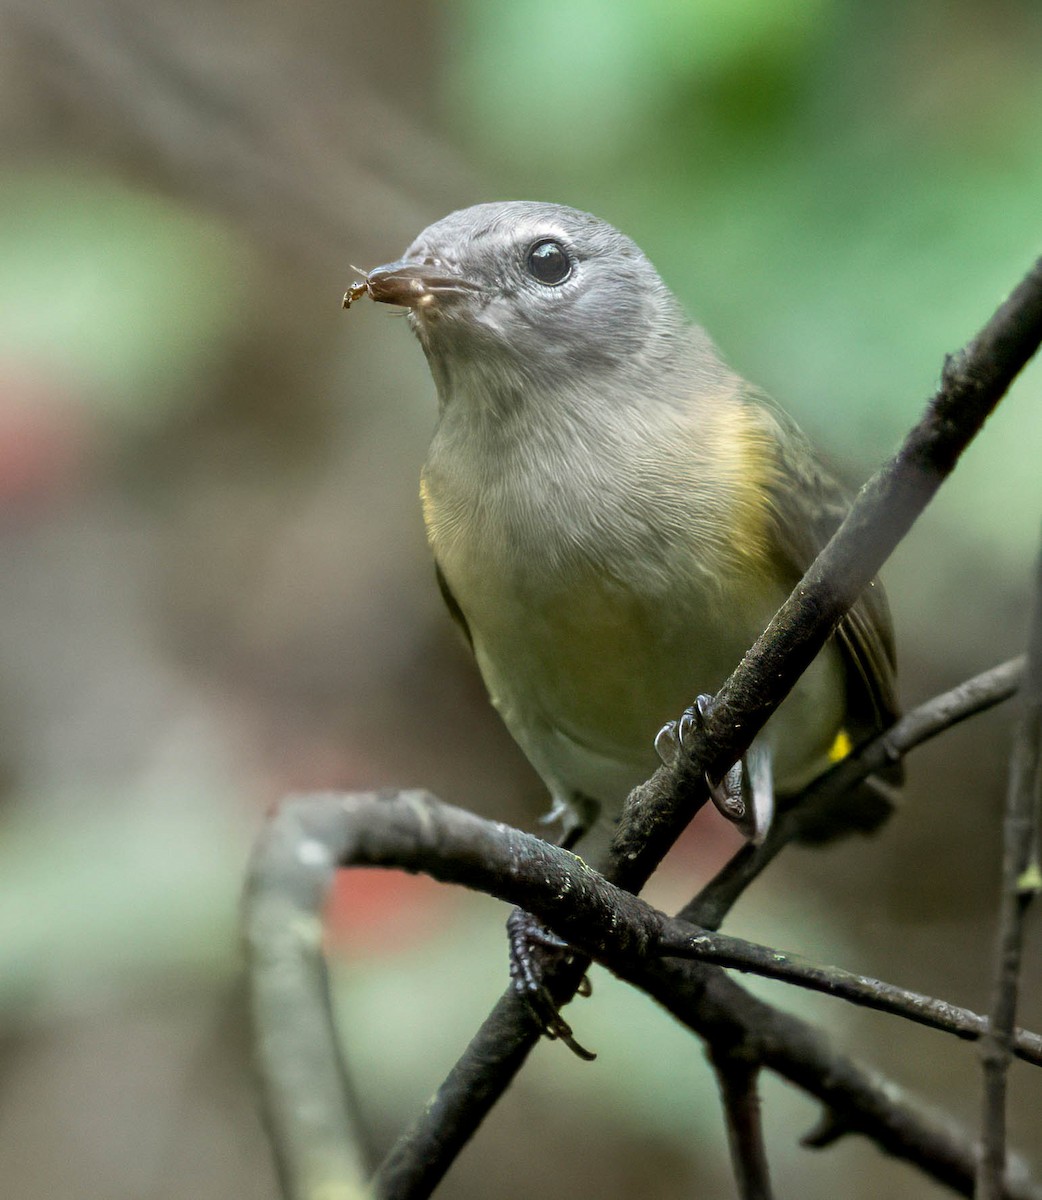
(938, 714)
(738, 1078)
(1021, 882)
(682, 940)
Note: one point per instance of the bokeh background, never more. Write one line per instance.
(213, 580)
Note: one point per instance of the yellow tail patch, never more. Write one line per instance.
(841, 747)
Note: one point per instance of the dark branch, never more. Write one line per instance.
(974, 696)
(1020, 884)
(738, 1076)
(858, 1099)
(973, 382)
(421, 1156)
(416, 832)
(310, 835)
(681, 940)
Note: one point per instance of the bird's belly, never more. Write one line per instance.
(599, 665)
(585, 675)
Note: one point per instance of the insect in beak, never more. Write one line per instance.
(407, 283)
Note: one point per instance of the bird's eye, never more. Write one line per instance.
(548, 262)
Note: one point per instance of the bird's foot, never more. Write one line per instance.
(533, 950)
(726, 793)
(574, 817)
(569, 821)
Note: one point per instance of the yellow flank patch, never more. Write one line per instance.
(840, 747)
(743, 462)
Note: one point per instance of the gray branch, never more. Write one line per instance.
(738, 1075)
(1021, 882)
(310, 835)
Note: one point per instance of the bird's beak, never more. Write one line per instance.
(409, 283)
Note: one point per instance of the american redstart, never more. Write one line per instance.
(615, 514)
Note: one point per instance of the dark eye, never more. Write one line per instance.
(548, 262)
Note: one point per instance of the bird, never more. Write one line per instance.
(615, 514)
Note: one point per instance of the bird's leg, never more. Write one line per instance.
(726, 793)
(534, 949)
(759, 784)
(574, 819)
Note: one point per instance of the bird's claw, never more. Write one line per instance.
(674, 736)
(692, 721)
(531, 945)
(726, 794)
(679, 735)
(667, 746)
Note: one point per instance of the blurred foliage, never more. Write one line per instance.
(839, 192)
(123, 292)
(587, 85)
(106, 915)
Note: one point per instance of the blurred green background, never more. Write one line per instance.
(215, 586)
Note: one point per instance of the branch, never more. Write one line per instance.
(738, 1076)
(972, 384)
(269, 136)
(1021, 882)
(679, 939)
(942, 712)
(309, 836)
(308, 1107)
(857, 1098)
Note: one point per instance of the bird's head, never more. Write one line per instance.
(538, 294)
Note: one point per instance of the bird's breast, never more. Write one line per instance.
(597, 594)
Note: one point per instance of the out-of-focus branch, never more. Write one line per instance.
(1021, 882)
(973, 382)
(310, 835)
(738, 1078)
(308, 1107)
(306, 156)
(933, 717)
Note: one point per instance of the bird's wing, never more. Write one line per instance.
(806, 506)
(452, 604)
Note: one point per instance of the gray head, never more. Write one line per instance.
(525, 294)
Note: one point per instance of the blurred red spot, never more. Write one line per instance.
(44, 443)
(375, 911)
(703, 848)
